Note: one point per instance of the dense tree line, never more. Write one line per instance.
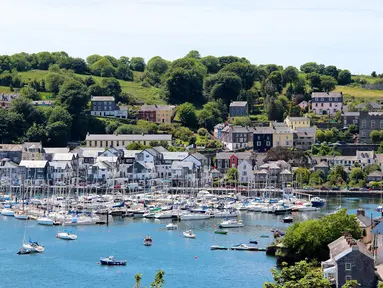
(202, 86)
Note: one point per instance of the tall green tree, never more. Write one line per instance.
(193, 54)
(30, 93)
(157, 65)
(211, 114)
(211, 63)
(187, 115)
(331, 71)
(137, 64)
(309, 67)
(58, 134)
(344, 77)
(328, 83)
(223, 85)
(247, 72)
(290, 75)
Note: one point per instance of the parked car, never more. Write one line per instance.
(308, 188)
(335, 188)
(353, 189)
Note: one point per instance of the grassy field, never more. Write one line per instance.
(360, 93)
(149, 95)
(4, 89)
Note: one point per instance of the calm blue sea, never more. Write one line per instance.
(186, 262)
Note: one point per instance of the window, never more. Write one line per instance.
(372, 124)
(330, 104)
(330, 99)
(348, 267)
(267, 143)
(321, 104)
(363, 133)
(348, 278)
(381, 124)
(258, 143)
(364, 124)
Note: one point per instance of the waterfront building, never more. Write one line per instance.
(349, 260)
(108, 140)
(62, 172)
(13, 152)
(238, 109)
(106, 106)
(43, 103)
(157, 113)
(218, 131)
(322, 166)
(376, 176)
(226, 160)
(47, 153)
(368, 122)
(9, 170)
(36, 171)
(365, 224)
(326, 103)
(304, 104)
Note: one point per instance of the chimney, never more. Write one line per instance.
(360, 211)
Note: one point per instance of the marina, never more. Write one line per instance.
(181, 258)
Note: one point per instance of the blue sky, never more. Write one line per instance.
(345, 33)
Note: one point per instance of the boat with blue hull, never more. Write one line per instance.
(318, 202)
(110, 261)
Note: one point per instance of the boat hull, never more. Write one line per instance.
(21, 217)
(66, 236)
(113, 263)
(317, 204)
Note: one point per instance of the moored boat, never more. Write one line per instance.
(21, 215)
(318, 202)
(66, 235)
(171, 226)
(288, 219)
(7, 212)
(231, 224)
(148, 241)
(189, 234)
(44, 220)
(110, 261)
(223, 232)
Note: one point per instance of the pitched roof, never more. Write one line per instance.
(326, 95)
(346, 244)
(365, 220)
(91, 152)
(351, 114)
(264, 130)
(297, 118)
(160, 149)
(373, 104)
(180, 165)
(375, 174)
(102, 98)
(59, 164)
(56, 150)
(157, 107)
(199, 156)
(223, 155)
(129, 137)
(63, 157)
(238, 104)
(174, 155)
(33, 163)
(322, 165)
(11, 147)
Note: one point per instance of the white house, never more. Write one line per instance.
(245, 171)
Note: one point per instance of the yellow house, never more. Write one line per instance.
(283, 135)
(108, 140)
(165, 113)
(297, 122)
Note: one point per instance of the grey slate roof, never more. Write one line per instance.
(326, 95)
(373, 104)
(238, 104)
(102, 98)
(129, 137)
(364, 219)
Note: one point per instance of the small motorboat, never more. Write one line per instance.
(220, 232)
(217, 247)
(66, 235)
(110, 261)
(264, 236)
(171, 226)
(379, 208)
(21, 215)
(243, 247)
(148, 241)
(189, 234)
(288, 219)
(231, 224)
(318, 202)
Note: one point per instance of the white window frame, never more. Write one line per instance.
(348, 278)
(348, 266)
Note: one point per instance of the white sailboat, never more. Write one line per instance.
(66, 234)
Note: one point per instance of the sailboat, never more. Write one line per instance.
(30, 246)
(66, 234)
(21, 215)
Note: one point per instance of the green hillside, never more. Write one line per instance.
(149, 95)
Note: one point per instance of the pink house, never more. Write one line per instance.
(303, 105)
(326, 103)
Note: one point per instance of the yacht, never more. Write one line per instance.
(267, 209)
(7, 212)
(225, 214)
(110, 261)
(281, 209)
(171, 226)
(194, 216)
(66, 235)
(44, 220)
(307, 207)
(31, 247)
(164, 215)
(21, 215)
(231, 224)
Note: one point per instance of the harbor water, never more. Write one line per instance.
(186, 262)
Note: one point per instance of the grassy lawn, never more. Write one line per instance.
(4, 89)
(361, 93)
(149, 95)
